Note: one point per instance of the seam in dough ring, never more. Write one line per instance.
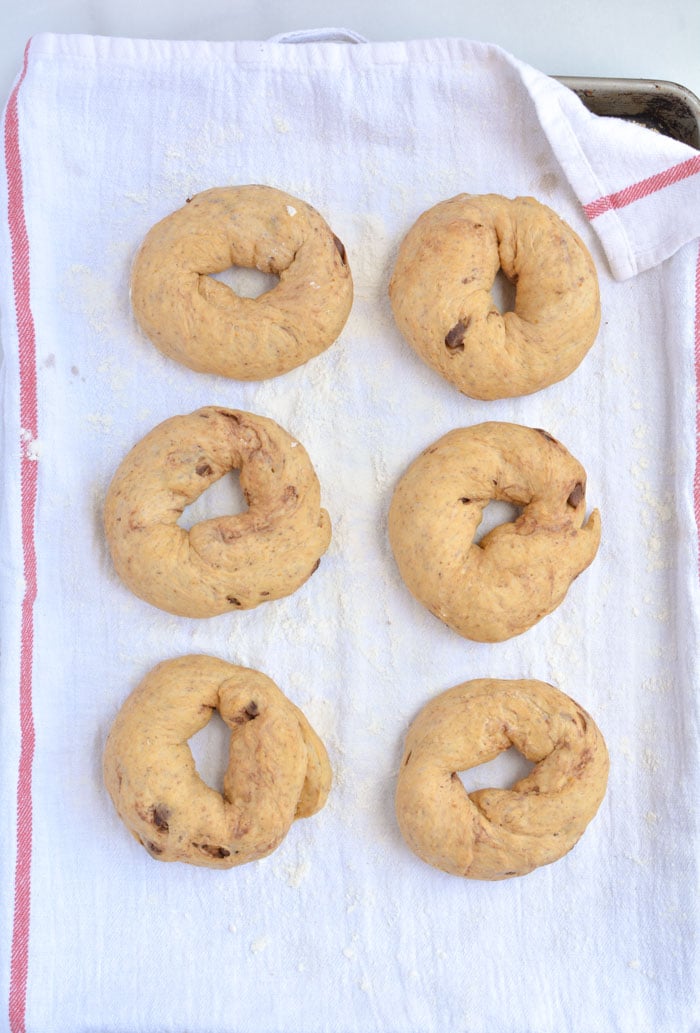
(203, 323)
(440, 293)
(278, 768)
(225, 563)
(519, 572)
(499, 833)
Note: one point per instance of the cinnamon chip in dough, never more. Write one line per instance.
(499, 833)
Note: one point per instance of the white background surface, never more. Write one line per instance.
(629, 38)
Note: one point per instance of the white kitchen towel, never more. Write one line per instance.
(642, 201)
(342, 929)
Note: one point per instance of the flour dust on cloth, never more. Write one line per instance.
(342, 927)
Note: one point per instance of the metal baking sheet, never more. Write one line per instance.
(666, 107)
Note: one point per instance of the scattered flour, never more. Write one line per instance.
(625, 748)
(651, 760)
(102, 421)
(119, 375)
(31, 446)
(99, 292)
(296, 874)
(659, 685)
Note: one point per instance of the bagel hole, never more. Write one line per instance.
(223, 498)
(503, 293)
(495, 514)
(500, 773)
(247, 283)
(209, 748)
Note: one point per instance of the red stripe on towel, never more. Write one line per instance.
(19, 243)
(696, 484)
(643, 188)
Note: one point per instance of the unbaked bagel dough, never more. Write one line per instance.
(499, 833)
(225, 563)
(278, 768)
(500, 586)
(202, 323)
(440, 293)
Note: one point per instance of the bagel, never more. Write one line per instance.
(203, 323)
(499, 587)
(499, 833)
(440, 294)
(278, 768)
(229, 562)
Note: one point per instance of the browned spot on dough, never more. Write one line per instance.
(576, 496)
(229, 415)
(455, 337)
(546, 434)
(481, 835)
(341, 249)
(289, 492)
(203, 470)
(161, 813)
(213, 851)
(153, 848)
(465, 501)
(249, 713)
(583, 761)
(232, 599)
